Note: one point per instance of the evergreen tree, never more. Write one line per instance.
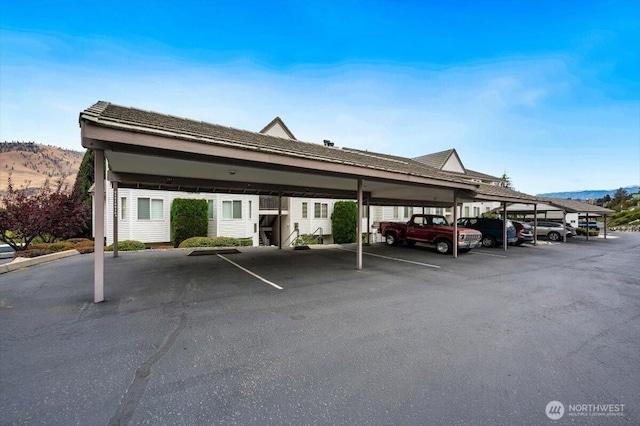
(505, 181)
(84, 179)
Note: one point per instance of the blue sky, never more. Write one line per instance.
(548, 91)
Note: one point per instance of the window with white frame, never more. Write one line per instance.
(466, 211)
(320, 210)
(250, 207)
(476, 211)
(408, 212)
(396, 212)
(232, 209)
(150, 209)
(210, 204)
(305, 208)
(123, 208)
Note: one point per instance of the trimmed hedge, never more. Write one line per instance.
(83, 245)
(189, 218)
(196, 242)
(583, 231)
(127, 245)
(344, 222)
(216, 242)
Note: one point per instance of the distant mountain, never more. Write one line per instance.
(589, 194)
(30, 164)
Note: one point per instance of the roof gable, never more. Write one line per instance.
(277, 128)
(444, 160)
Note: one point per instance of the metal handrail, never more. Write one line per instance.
(288, 240)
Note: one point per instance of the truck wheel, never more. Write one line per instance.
(443, 246)
(488, 241)
(390, 239)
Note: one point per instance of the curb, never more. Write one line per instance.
(22, 262)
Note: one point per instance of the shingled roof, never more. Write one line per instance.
(113, 116)
(437, 160)
(278, 121)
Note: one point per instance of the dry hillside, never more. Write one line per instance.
(30, 164)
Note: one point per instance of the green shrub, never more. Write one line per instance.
(127, 245)
(583, 231)
(196, 242)
(306, 240)
(344, 222)
(189, 218)
(223, 242)
(216, 242)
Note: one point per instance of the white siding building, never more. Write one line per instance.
(144, 215)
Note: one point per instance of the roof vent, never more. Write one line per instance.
(328, 142)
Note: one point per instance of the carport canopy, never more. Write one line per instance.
(563, 206)
(146, 149)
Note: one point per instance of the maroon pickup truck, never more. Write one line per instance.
(431, 229)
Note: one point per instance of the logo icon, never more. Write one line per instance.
(554, 410)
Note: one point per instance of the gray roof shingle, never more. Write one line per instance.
(114, 116)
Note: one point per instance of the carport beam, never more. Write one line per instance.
(98, 266)
(359, 228)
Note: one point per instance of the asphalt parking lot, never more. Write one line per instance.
(271, 336)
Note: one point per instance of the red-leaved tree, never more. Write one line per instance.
(50, 215)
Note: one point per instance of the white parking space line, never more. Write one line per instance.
(249, 272)
(487, 254)
(393, 258)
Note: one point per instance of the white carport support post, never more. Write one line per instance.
(455, 223)
(564, 225)
(504, 226)
(98, 265)
(368, 222)
(115, 219)
(535, 224)
(279, 221)
(587, 220)
(605, 226)
(359, 228)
